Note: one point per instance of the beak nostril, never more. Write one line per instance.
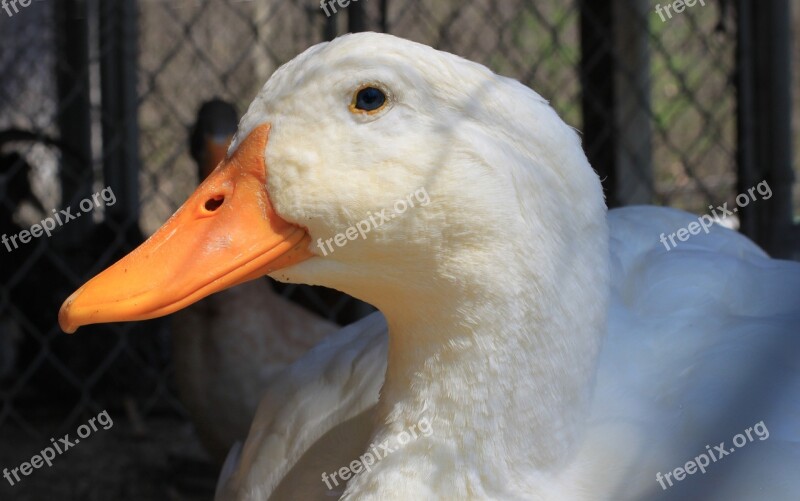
(214, 203)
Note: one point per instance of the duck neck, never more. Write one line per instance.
(500, 369)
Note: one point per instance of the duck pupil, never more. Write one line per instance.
(370, 99)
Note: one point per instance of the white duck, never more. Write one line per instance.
(497, 296)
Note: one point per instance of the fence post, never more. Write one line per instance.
(614, 71)
(384, 10)
(597, 83)
(356, 17)
(118, 74)
(633, 113)
(74, 120)
(330, 30)
(764, 151)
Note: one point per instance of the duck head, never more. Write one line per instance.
(379, 167)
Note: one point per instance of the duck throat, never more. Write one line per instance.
(500, 371)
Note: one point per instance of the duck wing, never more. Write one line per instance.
(326, 396)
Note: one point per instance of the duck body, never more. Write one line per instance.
(551, 358)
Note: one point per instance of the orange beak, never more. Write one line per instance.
(226, 233)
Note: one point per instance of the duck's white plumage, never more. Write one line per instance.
(702, 344)
(498, 299)
(336, 381)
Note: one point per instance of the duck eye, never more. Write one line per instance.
(368, 99)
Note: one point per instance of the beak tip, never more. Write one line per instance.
(65, 320)
(66, 326)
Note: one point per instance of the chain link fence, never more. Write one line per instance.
(99, 94)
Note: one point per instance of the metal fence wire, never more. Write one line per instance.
(99, 94)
